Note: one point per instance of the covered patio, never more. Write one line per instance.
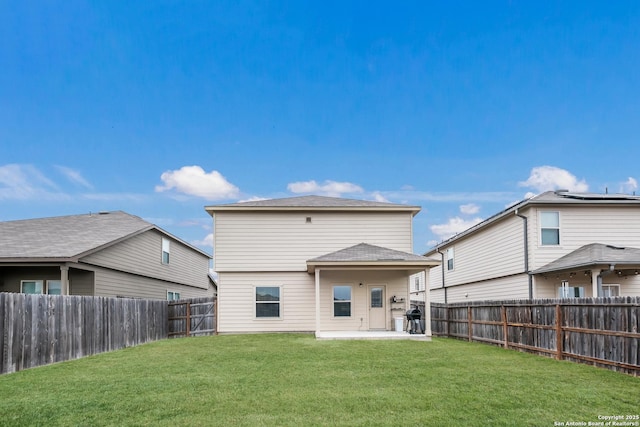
(362, 292)
(593, 270)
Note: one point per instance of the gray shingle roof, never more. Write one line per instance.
(365, 252)
(66, 236)
(592, 255)
(313, 202)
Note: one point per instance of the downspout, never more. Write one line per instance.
(611, 269)
(442, 265)
(526, 251)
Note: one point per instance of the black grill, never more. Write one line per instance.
(413, 321)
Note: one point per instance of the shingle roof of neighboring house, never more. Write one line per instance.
(312, 202)
(558, 197)
(592, 255)
(69, 236)
(366, 254)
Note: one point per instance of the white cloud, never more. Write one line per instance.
(470, 209)
(25, 182)
(546, 178)
(629, 186)
(207, 241)
(378, 197)
(328, 188)
(453, 226)
(194, 181)
(74, 176)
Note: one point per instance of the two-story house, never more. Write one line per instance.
(314, 264)
(108, 254)
(555, 245)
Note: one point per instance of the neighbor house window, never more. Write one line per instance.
(54, 287)
(342, 301)
(173, 295)
(32, 287)
(450, 259)
(610, 290)
(571, 292)
(165, 250)
(550, 228)
(417, 283)
(267, 301)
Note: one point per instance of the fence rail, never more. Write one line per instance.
(599, 331)
(37, 330)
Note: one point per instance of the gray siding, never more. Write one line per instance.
(111, 283)
(142, 255)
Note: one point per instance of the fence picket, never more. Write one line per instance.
(599, 331)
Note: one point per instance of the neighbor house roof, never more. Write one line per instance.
(364, 254)
(558, 197)
(313, 203)
(592, 256)
(69, 237)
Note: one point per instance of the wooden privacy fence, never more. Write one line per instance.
(41, 329)
(196, 316)
(601, 331)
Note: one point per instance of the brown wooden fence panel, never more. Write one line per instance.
(195, 316)
(604, 332)
(41, 329)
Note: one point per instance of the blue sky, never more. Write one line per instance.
(159, 108)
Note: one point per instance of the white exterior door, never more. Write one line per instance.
(377, 307)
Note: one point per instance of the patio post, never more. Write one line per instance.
(64, 280)
(317, 276)
(427, 305)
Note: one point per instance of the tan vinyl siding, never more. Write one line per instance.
(236, 302)
(395, 283)
(494, 252)
(111, 283)
(142, 255)
(513, 287)
(283, 241)
(579, 226)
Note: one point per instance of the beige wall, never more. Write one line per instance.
(236, 300)
(284, 241)
(488, 264)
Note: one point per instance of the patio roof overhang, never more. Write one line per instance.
(595, 256)
(367, 257)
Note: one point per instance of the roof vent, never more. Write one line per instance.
(103, 213)
(562, 190)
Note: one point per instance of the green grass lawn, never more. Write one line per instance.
(293, 379)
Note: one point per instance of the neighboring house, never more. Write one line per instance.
(111, 254)
(556, 244)
(313, 263)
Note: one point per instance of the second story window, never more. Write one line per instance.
(450, 259)
(550, 228)
(165, 251)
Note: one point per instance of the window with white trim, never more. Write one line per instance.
(550, 228)
(417, 283)
(610, 290)
(166, 249)
(450, 259)
(571, 292)
(267, 301)
(32, 287)
(54, 287)
(342, 301)
(173, 295)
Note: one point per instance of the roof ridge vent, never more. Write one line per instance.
(561, 190)
(615, 247)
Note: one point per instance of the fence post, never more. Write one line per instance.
(505, 328)
(188, 319)
(470, 323)
(558, 332)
